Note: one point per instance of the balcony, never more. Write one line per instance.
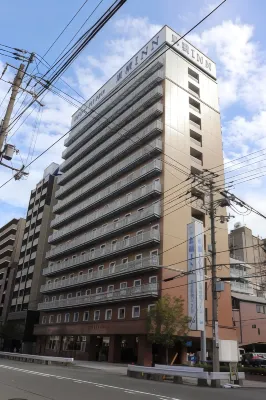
(122, 246)
(109, 103)
(138, 196)
(119, 152)
(136, 266)
(99, 143)
(148, 290)
(239, 287)
(130, 109)
(142, 174)
(132, 160)
(113, 228)
(7, 249)
(10, 229)
(139, 156)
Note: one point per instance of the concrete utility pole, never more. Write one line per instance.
(215, 338)
(15, 88)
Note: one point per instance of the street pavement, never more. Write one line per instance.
(27, 381)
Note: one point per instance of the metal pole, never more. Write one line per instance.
(203, 345)
(15, 88)
(215, 339)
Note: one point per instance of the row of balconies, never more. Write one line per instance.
(127, 115)
(119, 152)
(115, 271)
(112, 228)
(98, 144)
(108, 104)
(117, 206)
(136, 158)
(139, 240)
(10, 229)
(10, 238)
(148, 290)
(23, 285)
(25, 271)
(20, 300)
(6, 249)
(142, 174)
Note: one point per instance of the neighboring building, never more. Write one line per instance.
(11, 235)
(250, 249)
(249, 315)
(112, 232)
(243, 271)
(26, 294)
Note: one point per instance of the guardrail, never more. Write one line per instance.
(37, 359)
(178, 373)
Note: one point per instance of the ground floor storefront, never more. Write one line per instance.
(114, 348)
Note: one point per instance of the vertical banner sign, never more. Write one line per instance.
(196, 284)
(192, 288)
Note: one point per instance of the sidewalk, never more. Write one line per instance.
(120, 369)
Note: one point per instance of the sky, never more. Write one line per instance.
(234, 37)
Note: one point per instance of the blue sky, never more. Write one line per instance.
(234, 37)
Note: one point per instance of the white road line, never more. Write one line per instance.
(100, 385)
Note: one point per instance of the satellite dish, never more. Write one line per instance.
(237, 225)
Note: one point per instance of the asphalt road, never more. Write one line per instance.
(26, 381)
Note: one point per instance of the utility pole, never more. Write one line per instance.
(215, 338)
(15, 88)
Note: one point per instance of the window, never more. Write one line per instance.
(44, 319)
(51, 319)
(127, 218)
(125, 260)
(58, 318)
(58, 262)
(258, 331)
(67, 317)
(139, 236)
(63, 278)
(92, 253)
(96, 315)
(99, 290)
(121, 313)
(83, 252)
(90, 272)
(66, 259)
(56, 280)
(116, 223)
(260, 309)
(46, 299)
(138, 259)
(143, 190)
(129, 197)
(53, 298)
(153, 279)
(78, 294)
(88, 292)
(206, 315)
(108, 315)
(126, 240)
(110, 288)
(71, 276)
(49, 282)
(102, 247)
(69, 295)
(111, 267)
(150, 306)
(76, 317)
(194, 104)
(193, 75)
(100, 270)
(86, 316)
(135, 311)
(80, 273)
(61, 297)
(123, 285)
(137, 282)
(154, 257)
(73, 257)
(193, 89)
(206, 290)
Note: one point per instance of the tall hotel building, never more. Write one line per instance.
(118, 212)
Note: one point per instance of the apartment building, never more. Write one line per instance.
(250, 249)
(28, 279)
(245, 285)
(11, 235)
(118, 222)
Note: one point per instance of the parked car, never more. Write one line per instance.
(254, 360)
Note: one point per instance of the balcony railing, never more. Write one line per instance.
(137, 196)
(130, 113)
(148, 290)
(242, 287)
(143, 173)
(9, 229)
(120, 168)
(8, 248)
(119, 152)
(196, 160)
(197, 142)
(131, 267)
(195, 124)
(109, 103)
(99, 141)
(108, 161)
(122, 246)
(112, 228)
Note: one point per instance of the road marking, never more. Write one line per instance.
(100, 385)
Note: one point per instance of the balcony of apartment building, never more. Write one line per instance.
(98, 144)
(119, 169)
(129, 243)
(8, 240)
(101, 160)
(112, 272)
(127, 182)
(117, 119)
(196, 158)
(127, 201)
(128, 90)
(130, 221)
(129, 293)
(242, 287)
(6, 251)
(10, 230)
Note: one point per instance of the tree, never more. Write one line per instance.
(166, 322)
